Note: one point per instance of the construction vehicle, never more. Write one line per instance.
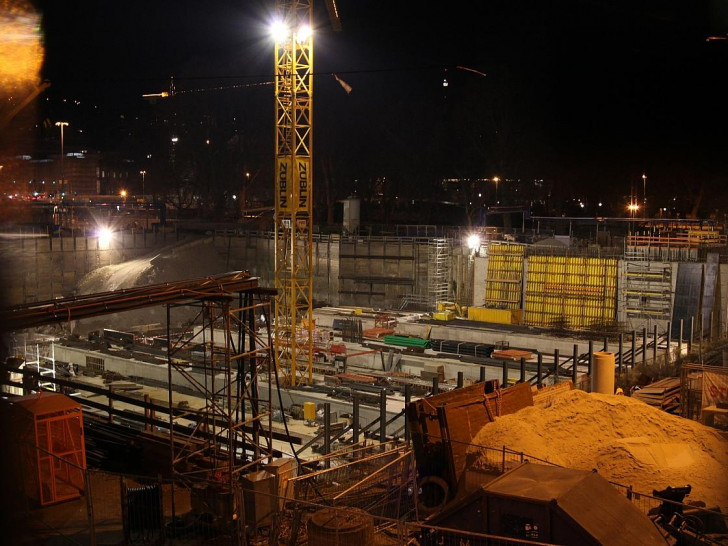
(448, 310)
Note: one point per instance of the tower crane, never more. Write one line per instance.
(293, 220)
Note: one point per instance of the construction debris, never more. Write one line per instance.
(663, 394)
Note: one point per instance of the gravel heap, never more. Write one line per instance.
(624, 439)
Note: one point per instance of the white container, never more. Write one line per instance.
(352, 214)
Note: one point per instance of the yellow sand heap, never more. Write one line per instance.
(625, 440)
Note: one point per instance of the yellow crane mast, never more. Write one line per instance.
(293, 313)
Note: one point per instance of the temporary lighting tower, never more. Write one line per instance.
(293, 312)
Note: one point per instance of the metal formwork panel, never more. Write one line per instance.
(571, 292)
(504, 281)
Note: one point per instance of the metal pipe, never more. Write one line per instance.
(619, 353)
(668, 335)
(634, 348)
(327, 433)
(383, 417)
(355, 419)
(523, 370)
(407, 401)
(680, 339)
(590, 363)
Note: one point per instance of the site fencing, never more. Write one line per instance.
(378, 480)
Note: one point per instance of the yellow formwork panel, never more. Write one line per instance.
(570, 292)
(498, 316)
(504, 280)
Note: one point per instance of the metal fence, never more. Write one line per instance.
(379, 480)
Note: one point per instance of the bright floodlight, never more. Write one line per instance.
(474, 241)
(304, 33)
(104, 237)
(279, 31)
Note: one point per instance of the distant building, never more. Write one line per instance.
(26, 176)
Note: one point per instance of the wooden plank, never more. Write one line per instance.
(511, 354)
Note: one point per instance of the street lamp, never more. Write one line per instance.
(143, 173)
(644, 194)
(633, 207)
(496, 180)
(62, 124)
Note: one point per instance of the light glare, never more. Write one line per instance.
(279, 31)
(105, 237)
(473, 241)
(304, 33)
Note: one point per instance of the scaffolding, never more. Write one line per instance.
(232, 432)
(438, 271)
(221, 355)
(646, 290)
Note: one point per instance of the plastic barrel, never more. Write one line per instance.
(309, 411)
(602, 376)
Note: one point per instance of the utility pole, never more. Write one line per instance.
(143, 173)
(63, 124)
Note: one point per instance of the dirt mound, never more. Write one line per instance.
(625, 440)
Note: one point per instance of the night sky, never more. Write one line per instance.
(587, 93)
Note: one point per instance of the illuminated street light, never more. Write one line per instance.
(143, 173)
(644, 192)
(496, 180)
(633, 207)
(63, 124)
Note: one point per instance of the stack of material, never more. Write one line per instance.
(377, 333)
(663, 394)
(511, 354)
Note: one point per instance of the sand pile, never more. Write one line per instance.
(625, 440)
